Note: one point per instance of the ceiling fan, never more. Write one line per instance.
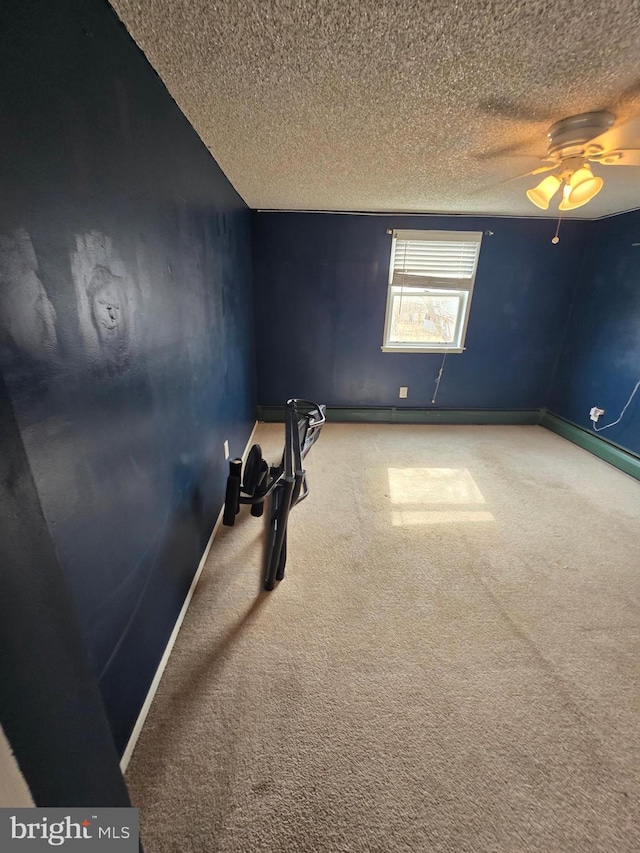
(575, 142)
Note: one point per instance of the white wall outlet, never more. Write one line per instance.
(404, 390)
(226, 449)
(596, 413)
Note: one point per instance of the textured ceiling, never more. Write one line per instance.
(377, 105)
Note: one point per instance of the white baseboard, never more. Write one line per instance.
(142, 716)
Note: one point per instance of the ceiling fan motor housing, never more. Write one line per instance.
(569, 136)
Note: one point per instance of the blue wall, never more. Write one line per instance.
(125, 325)
(600, 361)
(320, 285)
(51, 709)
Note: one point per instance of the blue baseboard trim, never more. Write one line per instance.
(596, 444)
(393, 415)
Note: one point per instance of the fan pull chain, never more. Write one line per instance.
(555, 239)
(439, 377)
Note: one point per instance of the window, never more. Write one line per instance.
(431, 279)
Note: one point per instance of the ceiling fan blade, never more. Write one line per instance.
(613, 139)
(546, 168)
(618, 157)
(539, 171)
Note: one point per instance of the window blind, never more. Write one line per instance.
(429, 262)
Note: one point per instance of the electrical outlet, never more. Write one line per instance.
(226, 449)
(596, 413)
(404, 390)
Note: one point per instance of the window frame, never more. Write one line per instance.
(453, 286)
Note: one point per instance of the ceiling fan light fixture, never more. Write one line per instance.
(581, 187)
(544, 192)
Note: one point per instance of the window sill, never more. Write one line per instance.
(422, 349)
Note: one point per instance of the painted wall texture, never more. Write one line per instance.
(50, 706)
(126, 337)
(600, 361)
(320, 285)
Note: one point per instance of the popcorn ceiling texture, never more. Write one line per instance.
(389, 106)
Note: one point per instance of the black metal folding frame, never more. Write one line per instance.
(285, 484)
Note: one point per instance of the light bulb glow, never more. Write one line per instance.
(544, 192)
(581, 187)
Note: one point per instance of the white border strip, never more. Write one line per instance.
(142, 716)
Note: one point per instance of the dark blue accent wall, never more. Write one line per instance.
(50, 706)
(600, 361)
(126, 336)
(320, 290)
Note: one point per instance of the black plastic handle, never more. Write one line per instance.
(232, 496)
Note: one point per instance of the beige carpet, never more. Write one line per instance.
(451, 663)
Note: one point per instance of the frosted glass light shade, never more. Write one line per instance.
(582, 186)
(544, 192)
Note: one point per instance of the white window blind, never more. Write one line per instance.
(431, 259)
(431, 279)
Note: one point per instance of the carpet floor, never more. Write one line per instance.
(451, 663)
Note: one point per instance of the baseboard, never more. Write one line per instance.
(146, 707)
(393, 415)
(596, 444)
